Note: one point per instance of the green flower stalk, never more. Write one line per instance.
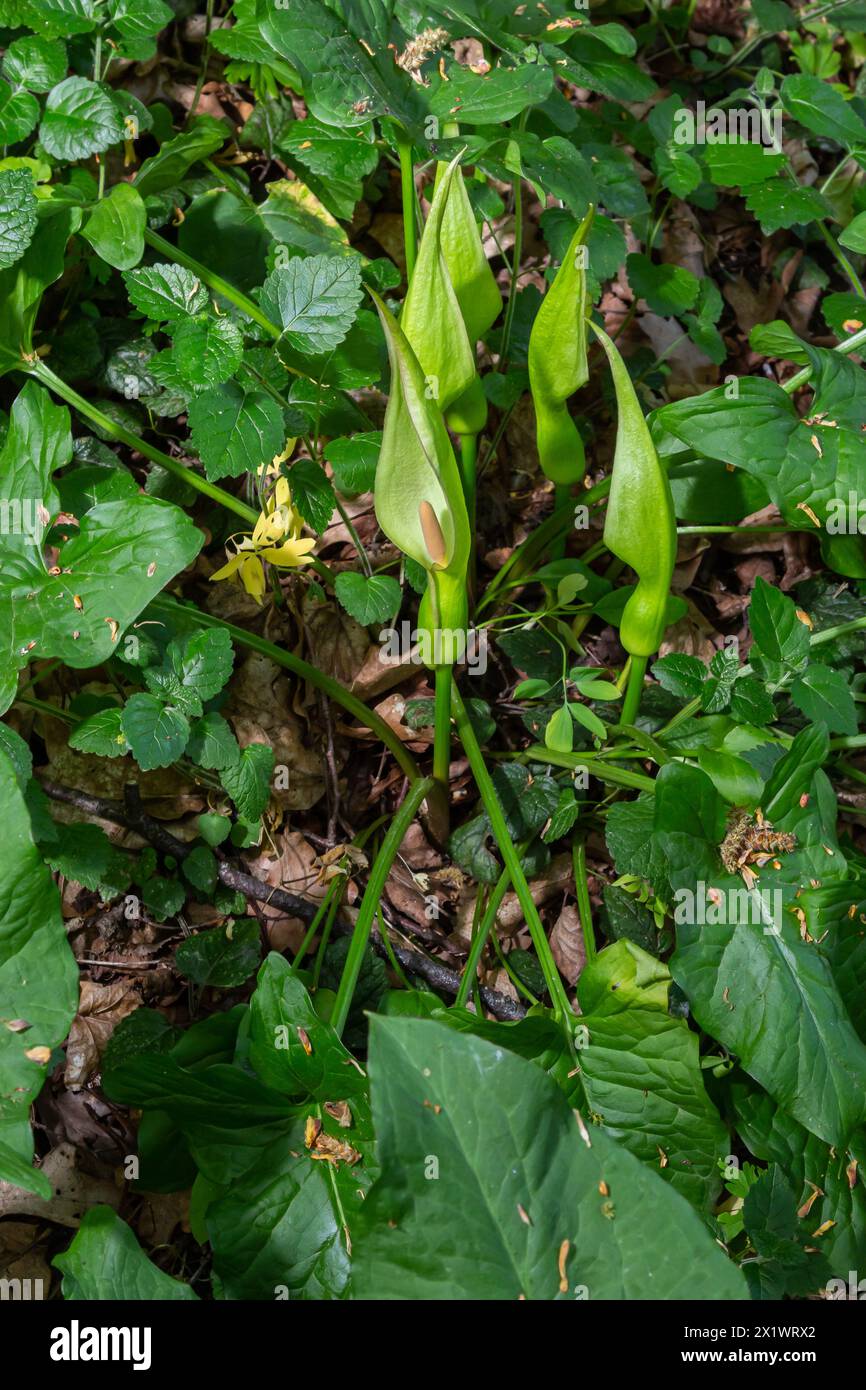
(640, 527)
(558, 364)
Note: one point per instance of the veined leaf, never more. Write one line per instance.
(17, 214)
(123, 555)
(105, 1261)
(38, 982)
(315, 298)
(504, 1137)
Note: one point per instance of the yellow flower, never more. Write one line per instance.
(276, 538)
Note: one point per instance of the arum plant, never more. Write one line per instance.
(433, 320)
(420, 506)
(558, 367)
(640, 528)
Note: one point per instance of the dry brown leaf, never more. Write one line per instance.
(100, 1009)
(567, 944)
(73, 1191)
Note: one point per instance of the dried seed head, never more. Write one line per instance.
(433, 537)
(419, 49)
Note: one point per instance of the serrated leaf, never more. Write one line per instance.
(19, 112)
(17, 214)
(312, 494)
(248, 781)
(212, 743)
(157, 734)
(824, 694)
(35, 63)
(207, 351)
(166, 293)
(80, 119)
(223, 957)
(315, 299)
(101, 733)
(235, 429)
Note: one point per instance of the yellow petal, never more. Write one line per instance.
(290, 554)
(229, 569)
(253, 577)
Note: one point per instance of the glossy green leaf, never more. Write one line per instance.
(504, 1138)
(38, 982)
(115, 227)
(106, 1262)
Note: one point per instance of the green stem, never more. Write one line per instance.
(117, 431)
(323, 943)
(334, 891)
(634, 690)
(517, 252)
(407, 189)
(581, 892)
(214, 282)
(304, 671)
(442, 726)
(205, 54)
(468, 465)
(605, 772)
(372, 895)
(385, 938)
(490, 801)
(561, 503)
(485, 926)
(839, 254)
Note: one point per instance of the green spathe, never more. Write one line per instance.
(417, 471)
(558, 363)
(431, 317)
(640, 527)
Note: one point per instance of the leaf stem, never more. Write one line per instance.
(372, 895)
(442, 726)
(407, 188)
(490, 801)
(216, 283)
(117, 431)
(634, 689)
(581, 892)
(304, 671)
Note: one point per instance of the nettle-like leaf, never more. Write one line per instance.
(506, 1142)
(122, 556)
(235, 429)
(19, 113)
(248, 781)
(38, 983)
(80, 119)
(17, 214)
(207, 351)
(166, 293)
(315, 299)
(35, 63)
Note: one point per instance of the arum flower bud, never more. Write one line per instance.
(558, 364)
